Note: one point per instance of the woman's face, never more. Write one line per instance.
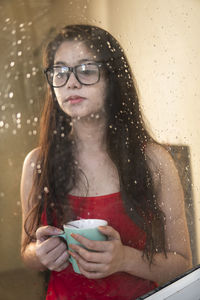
(74, 98)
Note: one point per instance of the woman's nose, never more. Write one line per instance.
(73, 82)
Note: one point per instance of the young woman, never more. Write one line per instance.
(96, 160)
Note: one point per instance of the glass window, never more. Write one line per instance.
(146, 89)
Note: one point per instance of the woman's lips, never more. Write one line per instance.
(75, 99)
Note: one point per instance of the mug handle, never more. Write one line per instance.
(63, 236)
(59, 235)
(70, 259)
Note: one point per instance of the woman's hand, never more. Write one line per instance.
(108, 257)
(51, 251)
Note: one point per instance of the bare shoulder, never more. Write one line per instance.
(170, 198)
(160, 161)
(159, 156)
(31, 157)
(30, 161)
(166, 178)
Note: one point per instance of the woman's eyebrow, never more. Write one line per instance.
(59, 63)
(78, 62)
(85, 60)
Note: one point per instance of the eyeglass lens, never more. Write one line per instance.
(85, 74)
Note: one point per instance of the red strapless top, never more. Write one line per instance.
(67, 285)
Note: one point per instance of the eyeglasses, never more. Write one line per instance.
(87, 74)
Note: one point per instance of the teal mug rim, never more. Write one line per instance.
(77, 228)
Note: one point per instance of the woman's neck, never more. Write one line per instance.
(89, 134)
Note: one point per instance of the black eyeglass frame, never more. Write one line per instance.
(73, 70)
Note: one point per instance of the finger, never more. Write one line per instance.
(48, 245)
(96, 257)
(110, 232)
(44, 232)
(57, 251)
(63, 257)
(61, 268)
(50, 259)
(91, 275)
(89, 244)
(50, 251)
(61, 261)
(88, 266)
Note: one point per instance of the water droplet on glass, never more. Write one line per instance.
(46, 190)
(12, 63)
(10, 95)
(32, 164)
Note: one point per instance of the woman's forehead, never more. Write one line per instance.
(73, 52)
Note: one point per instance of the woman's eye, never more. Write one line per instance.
(87, 71)
(59, 75)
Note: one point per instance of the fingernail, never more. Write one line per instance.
(73, 234)
(101, 227)
(72, 254)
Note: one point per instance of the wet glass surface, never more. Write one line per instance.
(161, 43)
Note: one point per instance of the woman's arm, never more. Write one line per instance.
(28, 254)
(171, 201)
(114, 257)
(45, 252)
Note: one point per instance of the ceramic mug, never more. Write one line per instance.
(85, 227)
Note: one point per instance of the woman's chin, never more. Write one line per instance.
(86, 115)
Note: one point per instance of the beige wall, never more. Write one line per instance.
(161, 39)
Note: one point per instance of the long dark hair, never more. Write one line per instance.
(126, 138)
